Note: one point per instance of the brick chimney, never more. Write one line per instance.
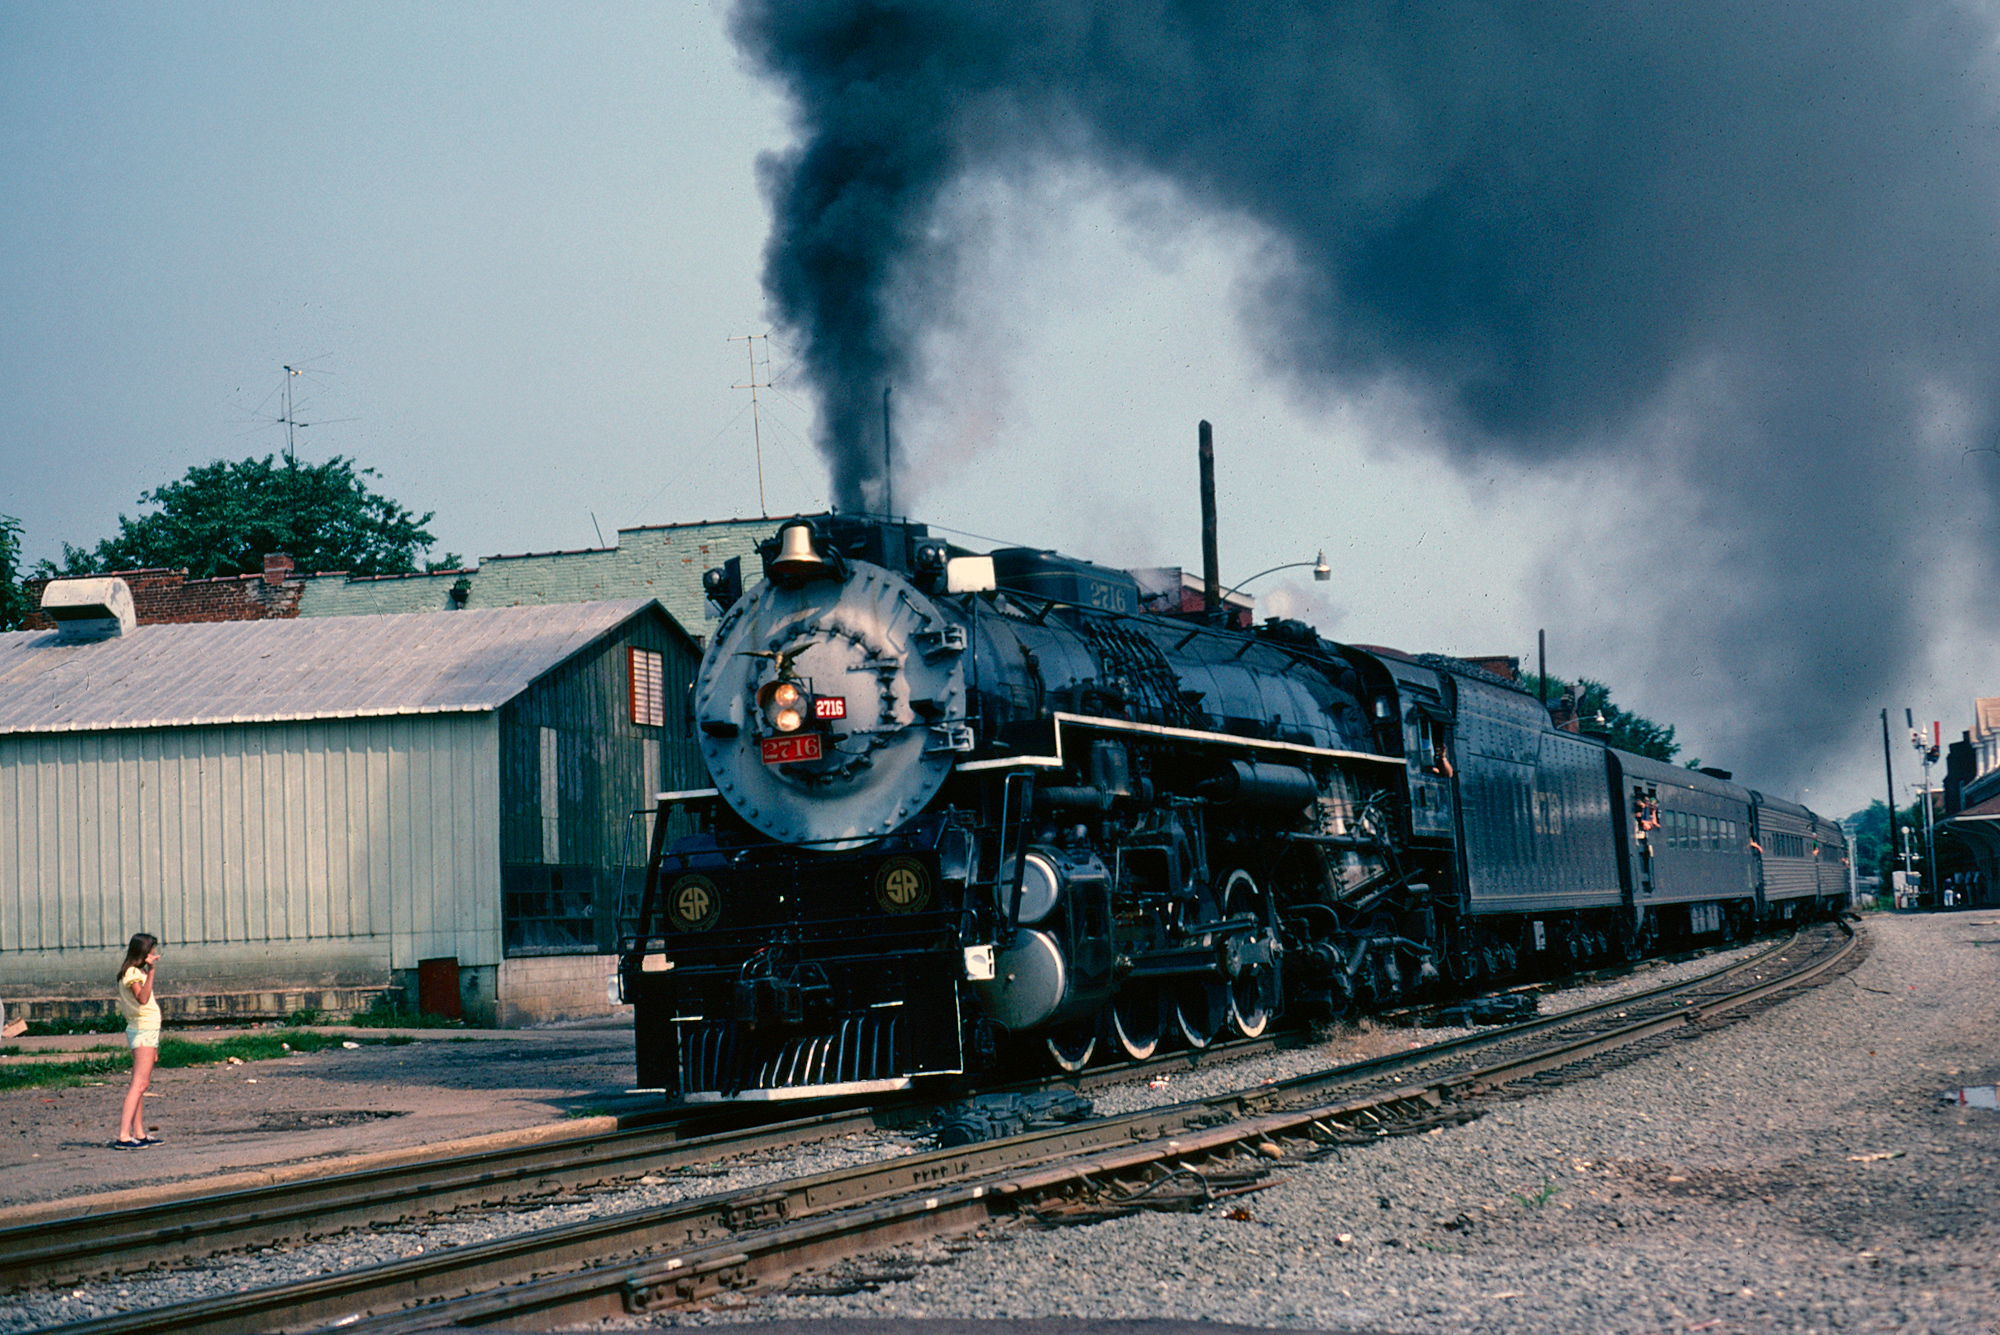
(277, 567)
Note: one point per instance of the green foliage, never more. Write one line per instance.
(223, 518)
(389, 1013)
(1873, 854)
(1535, 1200)
(110, 1022)
(1871, 838)
(1601, 718)
(14, 606)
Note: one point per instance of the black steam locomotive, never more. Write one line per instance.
(969, 804)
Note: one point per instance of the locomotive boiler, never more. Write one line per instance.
(966, 806)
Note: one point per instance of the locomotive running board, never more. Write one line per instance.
(1193, 735)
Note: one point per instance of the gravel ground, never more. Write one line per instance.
(1739, 1182)
(1590, 1208)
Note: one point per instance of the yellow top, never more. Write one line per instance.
(136, 1015)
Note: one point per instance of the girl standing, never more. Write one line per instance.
(142, 1032)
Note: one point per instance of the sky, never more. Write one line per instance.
(1671, 334)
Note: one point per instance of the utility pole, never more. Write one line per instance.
(1211, 564)
(888, 461)
(1889, 770)
(756, 432)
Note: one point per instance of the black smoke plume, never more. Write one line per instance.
(1736, 252)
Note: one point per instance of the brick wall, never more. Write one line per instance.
(168, 596)
(538, 988)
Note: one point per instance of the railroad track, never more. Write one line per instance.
(72, 1248)
(1184, 1155)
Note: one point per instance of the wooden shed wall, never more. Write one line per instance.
(575, 794)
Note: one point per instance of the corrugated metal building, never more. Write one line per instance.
(345, 802)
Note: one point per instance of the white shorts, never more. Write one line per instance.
(143, 1038)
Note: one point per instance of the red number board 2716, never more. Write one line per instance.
(785, 750)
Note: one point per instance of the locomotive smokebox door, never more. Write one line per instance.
(853, 685)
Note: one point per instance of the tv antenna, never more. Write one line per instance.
(290, 417)
(291, 454)
(752, 384)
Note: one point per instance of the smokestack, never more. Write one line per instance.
(1211, 568)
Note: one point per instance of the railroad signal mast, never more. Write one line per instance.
(1928, 751)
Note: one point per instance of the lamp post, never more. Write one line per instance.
(1322, 572)
(1927, 753)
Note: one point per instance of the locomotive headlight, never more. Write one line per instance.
(784, 706)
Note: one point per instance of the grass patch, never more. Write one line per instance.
(61, 1075)
(387, 1014)
(1535, 1200)
(180, 1052)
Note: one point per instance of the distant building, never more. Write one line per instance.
(1968, 839)
(453, 805)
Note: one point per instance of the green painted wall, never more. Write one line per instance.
(663, 562)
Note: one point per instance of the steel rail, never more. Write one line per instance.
(717, 1236)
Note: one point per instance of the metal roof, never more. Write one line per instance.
(161, 676)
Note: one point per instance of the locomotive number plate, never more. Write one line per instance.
(784, 750)
(829, 706)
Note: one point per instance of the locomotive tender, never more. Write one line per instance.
(970, 803)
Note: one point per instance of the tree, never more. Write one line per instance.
(14, 606)
(223, 518)
(1873, 854)
(1871, 838)
(1600, 718)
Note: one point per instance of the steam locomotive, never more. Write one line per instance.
(967, 806)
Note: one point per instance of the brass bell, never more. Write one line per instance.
(797, 560)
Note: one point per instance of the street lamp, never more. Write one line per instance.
(1927, 752)
(1321, 572)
